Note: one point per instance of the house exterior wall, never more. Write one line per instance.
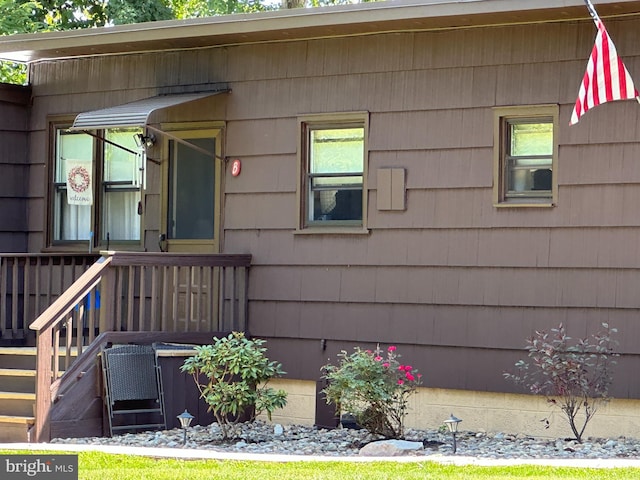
(455, 283)
(14, 167)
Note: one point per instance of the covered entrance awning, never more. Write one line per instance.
(135, 114)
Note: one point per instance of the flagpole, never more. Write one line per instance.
(592, 11)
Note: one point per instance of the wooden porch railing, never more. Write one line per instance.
(137, 292)
(29, 283)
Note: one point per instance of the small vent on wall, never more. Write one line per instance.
(391, 189)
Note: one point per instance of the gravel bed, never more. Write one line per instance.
(260, 437)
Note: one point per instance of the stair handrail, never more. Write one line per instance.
(44, 327)
(72, 296)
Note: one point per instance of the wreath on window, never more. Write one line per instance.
(79, 179)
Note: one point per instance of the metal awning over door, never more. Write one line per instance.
(134, 114)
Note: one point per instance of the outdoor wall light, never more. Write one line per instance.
(144, 140)
(452, 424)
(185, 420)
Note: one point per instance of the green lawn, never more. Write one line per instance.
(102, 466)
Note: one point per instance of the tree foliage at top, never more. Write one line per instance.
(18, 17)
(122, 12)
(69, 15)
(207, 8)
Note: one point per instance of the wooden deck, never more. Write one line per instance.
(122, 297)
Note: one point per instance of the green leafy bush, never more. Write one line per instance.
(574, 375)
(238, 373)
(372, 388)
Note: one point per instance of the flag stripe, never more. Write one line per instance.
(605, 83)
(605, 79)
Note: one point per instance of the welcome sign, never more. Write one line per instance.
(50, 467)
(79, 182)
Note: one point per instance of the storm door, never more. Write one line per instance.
(191, 220)
(192, 172)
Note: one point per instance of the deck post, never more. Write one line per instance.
(44, 372)
(107, 304)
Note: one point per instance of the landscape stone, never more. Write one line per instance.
(258, 437)
(389, 448)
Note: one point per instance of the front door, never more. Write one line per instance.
(191, 222)
(192, 181)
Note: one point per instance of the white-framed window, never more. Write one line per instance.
(333, 164)
(96, 187)
(525, 155)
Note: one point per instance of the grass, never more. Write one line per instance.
(102, 466)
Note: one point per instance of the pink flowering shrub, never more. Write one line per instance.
(374, 387)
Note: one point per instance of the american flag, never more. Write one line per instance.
(606, 78)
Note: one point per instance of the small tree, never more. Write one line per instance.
(373, 388)
(574, 375)
(238, 373)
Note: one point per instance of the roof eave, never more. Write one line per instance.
(286, 25)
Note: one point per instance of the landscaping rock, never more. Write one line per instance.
(258, 437)
(389, 448)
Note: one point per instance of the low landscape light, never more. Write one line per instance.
(185, 420)
(452, 424)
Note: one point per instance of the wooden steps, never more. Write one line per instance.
(17, 419)
(17, 393)
(17, 372)
(16, 428)
(17, 396)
